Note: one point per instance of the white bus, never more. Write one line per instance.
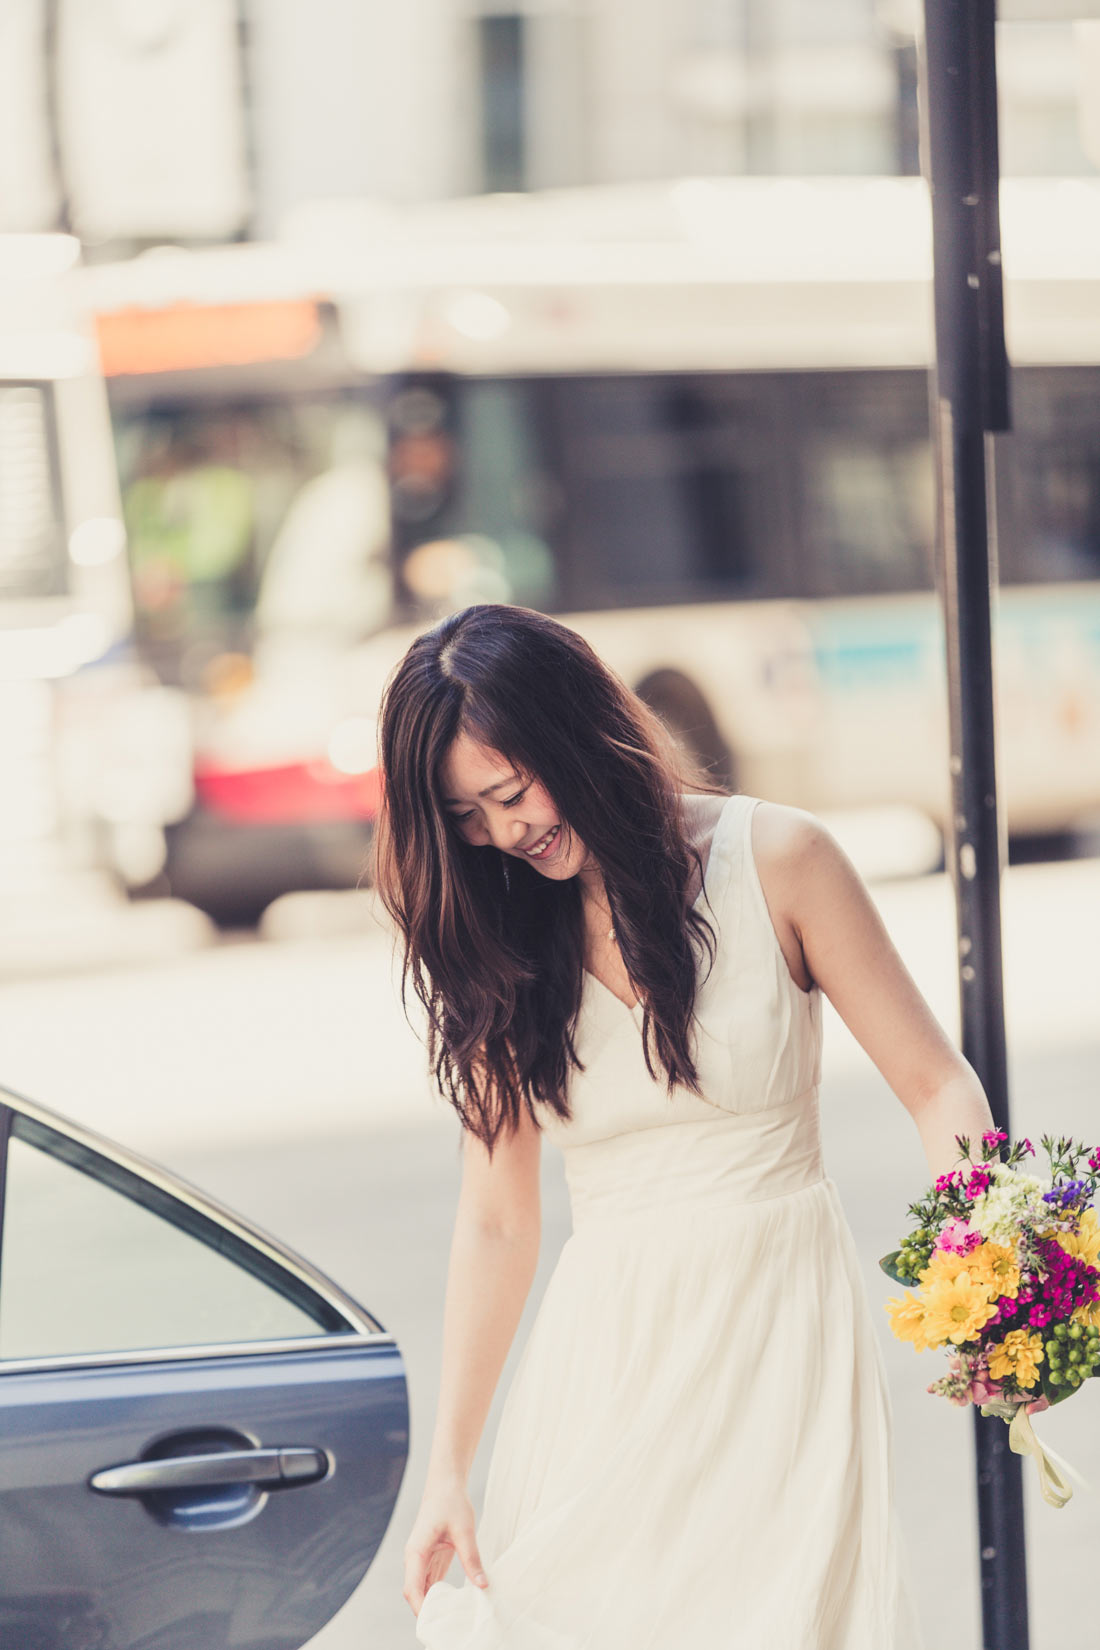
(692, 420)
(93, 752)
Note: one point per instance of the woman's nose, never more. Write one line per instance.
(506, 833)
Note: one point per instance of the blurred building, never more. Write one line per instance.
(206, 120)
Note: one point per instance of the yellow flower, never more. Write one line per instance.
(956, 1309)
(945, 1264)
(1087, 1315)
(1084, 1244)
(1019, 1355)
(907, 1321)
(994, 1265)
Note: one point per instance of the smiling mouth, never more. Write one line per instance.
(542, 847)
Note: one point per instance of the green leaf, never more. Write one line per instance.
(889, 1264)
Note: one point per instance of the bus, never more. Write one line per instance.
(94, 752)
(690, 419)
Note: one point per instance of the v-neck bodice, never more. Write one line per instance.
(758, 1034)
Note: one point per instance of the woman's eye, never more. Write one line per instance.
(510, 801)
(460, 819)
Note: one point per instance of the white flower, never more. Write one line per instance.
(1010, 1200)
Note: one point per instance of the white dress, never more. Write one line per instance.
(695, 1452)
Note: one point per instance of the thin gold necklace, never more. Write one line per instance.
(611, 930)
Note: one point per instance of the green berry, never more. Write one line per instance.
(1054, 1376)
(1075, 1355)
(1060, 1331)
(1053, 1350)
(1075, 1332)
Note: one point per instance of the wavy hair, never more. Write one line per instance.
(493, 949)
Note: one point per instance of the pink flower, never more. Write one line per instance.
(978, 1183)
(958, 1237)
(982, 1390)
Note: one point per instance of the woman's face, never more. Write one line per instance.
(490, 804)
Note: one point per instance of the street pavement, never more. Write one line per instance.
(280, 1075)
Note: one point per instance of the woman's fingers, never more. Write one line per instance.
(418, 1575)
(471, 1560)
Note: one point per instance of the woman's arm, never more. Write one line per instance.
(493, 1256)
(494, 1252)
(832, 935)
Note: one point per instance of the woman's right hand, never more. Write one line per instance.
(444, 1526)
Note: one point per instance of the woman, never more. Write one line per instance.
(694, 1450)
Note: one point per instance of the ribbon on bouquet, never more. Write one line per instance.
(1022, 1440)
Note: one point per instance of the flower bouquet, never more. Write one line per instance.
(1006, 1271)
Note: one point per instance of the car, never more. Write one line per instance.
(202, 1438)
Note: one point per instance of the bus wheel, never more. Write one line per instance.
(688, 717)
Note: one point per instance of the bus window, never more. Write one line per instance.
(508, 495)
(860, 441)
(1048, 482)
(33, 556)
(207, 491)
(671, 489)
(471, 496)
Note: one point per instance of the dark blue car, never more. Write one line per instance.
(201, 1437)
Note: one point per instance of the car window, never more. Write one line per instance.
(97, 1259)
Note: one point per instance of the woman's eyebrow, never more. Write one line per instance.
(451, 801)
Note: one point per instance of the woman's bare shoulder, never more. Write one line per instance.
(791, 848)
(786, 838)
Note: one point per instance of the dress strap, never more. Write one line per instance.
(733, 884)
(724, 862)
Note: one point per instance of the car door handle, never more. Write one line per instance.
(270, 1469)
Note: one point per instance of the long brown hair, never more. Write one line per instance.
(494, 950)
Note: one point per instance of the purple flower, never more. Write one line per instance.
(1066, 1284)
(1066, 1193)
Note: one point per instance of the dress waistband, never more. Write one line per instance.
(712, 1162)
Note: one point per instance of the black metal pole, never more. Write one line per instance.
(970, 401)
